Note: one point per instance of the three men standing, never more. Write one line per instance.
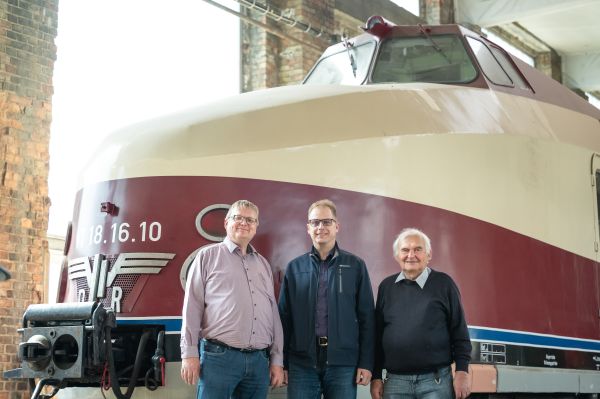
(333, 339)
(326, 307)
(230, 307)
(421, 328)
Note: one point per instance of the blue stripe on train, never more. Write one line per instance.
(529, 339)
(173, 325)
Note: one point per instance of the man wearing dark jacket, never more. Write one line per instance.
(327, 312)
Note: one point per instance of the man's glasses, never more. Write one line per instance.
(239, 219)
(317, 222)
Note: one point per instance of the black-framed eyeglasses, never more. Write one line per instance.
(239, 219)
(318, 222)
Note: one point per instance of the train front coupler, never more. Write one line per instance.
(63, 344)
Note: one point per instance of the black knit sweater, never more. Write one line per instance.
(420, 330)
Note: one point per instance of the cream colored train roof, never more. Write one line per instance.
(301, 115)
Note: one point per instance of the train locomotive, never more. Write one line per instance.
(434, 127)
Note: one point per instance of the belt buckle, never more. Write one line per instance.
(322, 341)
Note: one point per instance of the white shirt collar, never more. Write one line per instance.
(421, 280)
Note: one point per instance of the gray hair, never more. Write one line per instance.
(241, 204)
(412, 232)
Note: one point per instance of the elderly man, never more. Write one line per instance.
(327, 311)
(421, 328)
(230, 309)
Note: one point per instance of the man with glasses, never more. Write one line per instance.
(230, 310)
(327, 311)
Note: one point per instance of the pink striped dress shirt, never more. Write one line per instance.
(230, 298)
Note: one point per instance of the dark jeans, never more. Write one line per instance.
(333, 382)
(419, 386)
(226, 373)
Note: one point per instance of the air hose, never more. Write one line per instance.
(136, 367)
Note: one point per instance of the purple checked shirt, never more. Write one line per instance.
(230, 298)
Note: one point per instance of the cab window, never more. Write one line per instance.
(349, 66)
(435, 59)
(509, 68)
(489, 64)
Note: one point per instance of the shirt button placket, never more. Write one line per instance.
(253, 333)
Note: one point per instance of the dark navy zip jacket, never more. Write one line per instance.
(351, 320)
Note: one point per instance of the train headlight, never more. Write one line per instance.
(378, 26)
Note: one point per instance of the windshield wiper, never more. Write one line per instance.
(347, 44)
(435, 46)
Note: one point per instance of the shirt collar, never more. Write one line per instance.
(231, 246)
(421, 280)
(332, 254)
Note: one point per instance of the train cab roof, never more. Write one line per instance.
(444, 54)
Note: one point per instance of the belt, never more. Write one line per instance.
(434, 372)
(322, 341)
(224, 345)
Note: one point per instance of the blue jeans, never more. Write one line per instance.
(419, 386)
(226, 373)
(333, 382)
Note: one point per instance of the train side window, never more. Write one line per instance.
(489, 64)
(595, 175)
(509, 68)
(598, 195)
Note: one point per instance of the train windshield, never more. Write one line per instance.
(434, 59)
(349, 66)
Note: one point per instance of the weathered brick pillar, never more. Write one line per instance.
(297, 59)
(259, 54)
(437, 11)
(27, 55)
(550, 63)
(269, 60)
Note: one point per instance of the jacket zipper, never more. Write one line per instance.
(340, 277)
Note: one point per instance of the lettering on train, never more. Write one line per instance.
(146, 231)
(99, 275)
(550, 361)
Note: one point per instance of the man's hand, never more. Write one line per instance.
(190, 370)
(376, 389)
(277, 376)
(363, 377)
(462, 384)
(285, 377)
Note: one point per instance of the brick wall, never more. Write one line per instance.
(269, 60)
(27, 55)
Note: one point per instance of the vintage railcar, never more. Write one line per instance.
(434, 127)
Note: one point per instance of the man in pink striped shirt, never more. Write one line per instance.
(230, 310)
